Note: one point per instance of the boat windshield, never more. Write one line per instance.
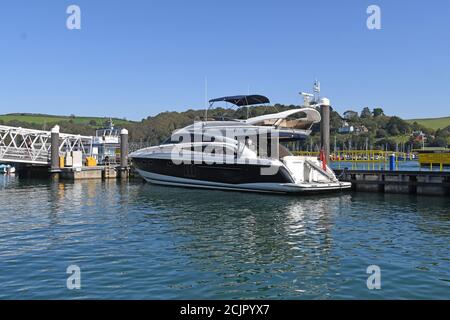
(283, 151)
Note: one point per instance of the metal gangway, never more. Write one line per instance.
(29, 146)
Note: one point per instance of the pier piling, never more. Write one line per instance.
(54, 151)
(325, 127)
(124, 153)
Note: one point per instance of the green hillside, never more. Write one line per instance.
(381, 131)
(41, 119)
(432, 123)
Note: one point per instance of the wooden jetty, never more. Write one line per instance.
(406, 182)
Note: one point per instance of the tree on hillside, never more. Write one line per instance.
(443, 132)
(365, 113)
(393, 130)
(441, 138)
(396, 126)
(335, 121)
(378, 112)
(387, 143)
(350, 114)
(440, 142)
(381, 133)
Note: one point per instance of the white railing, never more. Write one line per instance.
(33, 146)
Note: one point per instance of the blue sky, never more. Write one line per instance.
(137, 58)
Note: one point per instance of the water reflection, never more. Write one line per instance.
(143, 241)
(249, 237)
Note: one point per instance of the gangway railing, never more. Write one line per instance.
(21, 145)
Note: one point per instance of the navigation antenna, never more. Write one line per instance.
(206, 98)
(310, 99)
(316, 89)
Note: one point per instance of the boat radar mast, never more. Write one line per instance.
(311, 99)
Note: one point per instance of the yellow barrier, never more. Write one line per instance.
(439, 158)
(376, 158)
(369, 157)
(307, 153)
(359, 155)
(91, 162)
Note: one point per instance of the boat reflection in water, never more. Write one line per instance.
(254, 239)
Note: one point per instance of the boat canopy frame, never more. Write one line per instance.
(239, 101)
(242, 100)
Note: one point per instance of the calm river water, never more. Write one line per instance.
(140, 241)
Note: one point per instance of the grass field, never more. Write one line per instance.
(44, 119)
(433, 123)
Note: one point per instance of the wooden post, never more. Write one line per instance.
(124, 153)
(54, 152)
(325, 127)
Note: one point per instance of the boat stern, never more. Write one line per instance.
(311, 174)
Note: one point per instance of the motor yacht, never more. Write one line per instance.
(240, 154)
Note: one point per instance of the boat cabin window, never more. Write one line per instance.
(170, 141)
(267, 122)
(217, 150)
(282, 152)
(181, 138)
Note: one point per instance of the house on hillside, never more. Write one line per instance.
(419, 136)
(362, 129)
(346, 128)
